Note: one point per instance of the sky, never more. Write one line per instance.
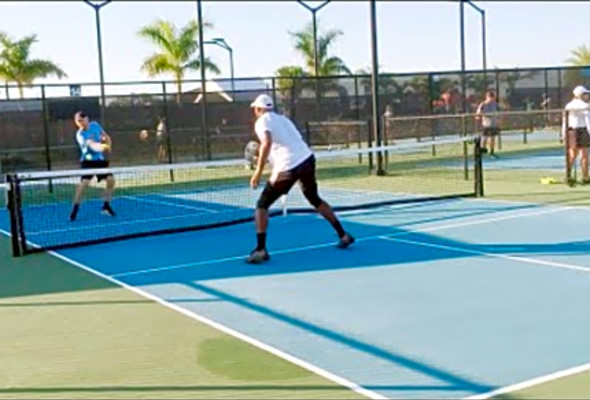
(412, 36)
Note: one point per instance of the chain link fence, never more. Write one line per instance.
(37, 131)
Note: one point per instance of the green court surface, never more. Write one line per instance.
(69, 334)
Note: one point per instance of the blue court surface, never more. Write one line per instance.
(435, 300)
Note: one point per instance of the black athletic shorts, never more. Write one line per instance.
(92, 164)
(579, 137)
(490, 131)
(304, 173)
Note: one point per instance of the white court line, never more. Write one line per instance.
(162, 202)
(483, 253)
(317, 246)
(227, 330)
(532, 382)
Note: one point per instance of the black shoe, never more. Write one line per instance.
(571, 182)
(483, 150)
(258, 256)
(107, 210)
(74, 212)
(345, 241)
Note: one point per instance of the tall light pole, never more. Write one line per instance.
(223, 44)
(203, 83)
(375, 87)
(314, 11)
(97, 7)
(482, 13)
(462, 45)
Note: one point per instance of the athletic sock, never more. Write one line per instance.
(261, 241)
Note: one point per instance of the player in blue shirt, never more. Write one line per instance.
(94, 143)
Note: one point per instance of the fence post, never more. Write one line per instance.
(370, 143)
(168, 131)
(356, 99)
(46, 134)
(559, 88)
(274, 93)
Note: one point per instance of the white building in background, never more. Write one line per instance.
(241, 90)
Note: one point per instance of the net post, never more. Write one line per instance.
(15, 216)
(478, 169)
(46, 134)
(167, 128)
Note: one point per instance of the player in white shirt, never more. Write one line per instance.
(292, 161)
(576, 126)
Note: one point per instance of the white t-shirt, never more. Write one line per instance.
(288, 149)
(579, 115)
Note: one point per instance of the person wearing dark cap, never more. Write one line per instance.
(94, 144)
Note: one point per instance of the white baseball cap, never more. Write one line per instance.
(580, 90)
(262, 101)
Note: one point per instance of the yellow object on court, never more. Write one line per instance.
(548, 181)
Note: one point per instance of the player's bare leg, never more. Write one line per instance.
(78, 198)
(108, 195)
(584, 156)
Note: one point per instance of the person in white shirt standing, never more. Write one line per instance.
(576, 126)
(292, 161)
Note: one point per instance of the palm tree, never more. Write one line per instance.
(580, 57)
(16, 64)
(327, 65)
(387, 83)
(177, 51)
(290, 84)
(289, 80)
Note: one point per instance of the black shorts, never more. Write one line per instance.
(304, 173)
(92, 164)
(488, 132)
(578, 137)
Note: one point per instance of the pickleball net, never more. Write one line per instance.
(170, 198)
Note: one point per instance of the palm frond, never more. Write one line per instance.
(157, 64)
(195, 65)
(161, 33)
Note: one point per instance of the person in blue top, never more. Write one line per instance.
(94, 144)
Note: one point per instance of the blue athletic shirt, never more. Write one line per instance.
(93, 133)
